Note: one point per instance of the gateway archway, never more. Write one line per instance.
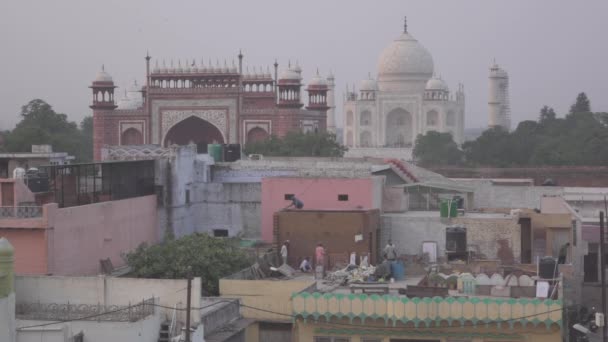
(194, 130)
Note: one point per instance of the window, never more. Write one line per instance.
(220, 232)
(288, 197)
(187, 196)
(342, 197)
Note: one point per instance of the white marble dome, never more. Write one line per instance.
(132, 98)
(103, 76)
(405, 58)
(436, 83)
(368, 85)
(289, 74)
(317, 80)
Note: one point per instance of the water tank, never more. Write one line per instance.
(216, 152)
(19, 173)
(547, 268)
(448, 208)
(232, 152)
(398, 270)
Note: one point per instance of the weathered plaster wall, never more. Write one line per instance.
(271, 295)
(409, 231)
(7, 318)
(83, 235)
(486, 233)
(488, 195)
(145, 330)
(108, 291)
(317, 194)
(30, 249)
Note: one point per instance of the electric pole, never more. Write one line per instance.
(603, 275)
(188, 305)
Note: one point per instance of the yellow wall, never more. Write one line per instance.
(252, 333)
(305, 332)
(271, 295)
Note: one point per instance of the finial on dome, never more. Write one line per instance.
(317, 71)
(404, 24)
(103, 68)
(276, 63)
(240, 54)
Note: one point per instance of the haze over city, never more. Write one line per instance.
(551, 50)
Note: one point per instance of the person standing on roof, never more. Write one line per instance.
(390, 253)
(563, 253)
(284, 251)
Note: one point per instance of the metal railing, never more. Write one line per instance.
(20, 212)
(85, 312)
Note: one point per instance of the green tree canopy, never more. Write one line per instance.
(578, 139)
(40, 125)
(581, 105)
(208, 257)
(546, 114)
(298, 144)
(436, 148)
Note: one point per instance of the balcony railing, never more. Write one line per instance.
(20, 212)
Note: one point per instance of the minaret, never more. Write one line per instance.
(498, 104)
(103, 101)
(331, 103)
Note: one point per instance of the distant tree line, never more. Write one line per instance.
(578, 138)
(41, 125)
(298, 144)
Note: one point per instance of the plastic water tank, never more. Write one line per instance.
(19, 173)
(547, 268)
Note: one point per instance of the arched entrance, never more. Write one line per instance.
(194, 130)
(399, 128)
(256, 134)
(131, 136)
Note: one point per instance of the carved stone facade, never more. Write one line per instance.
(204, 104)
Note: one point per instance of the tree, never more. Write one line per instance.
(298, 144)
(492, 148)
(208, 257)
(41, 125)
(436, 148)
(86, 136)
(581, 105)
(546, 114)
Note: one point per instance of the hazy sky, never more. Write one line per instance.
(552, 49)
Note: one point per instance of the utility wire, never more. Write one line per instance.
(280, 314)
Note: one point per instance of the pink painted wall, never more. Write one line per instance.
(21, 193)
(83, 235)
(30, 249)
(317, 193)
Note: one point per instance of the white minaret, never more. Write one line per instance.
(498, 104)
(331, 103)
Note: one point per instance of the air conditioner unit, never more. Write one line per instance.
(256, 157)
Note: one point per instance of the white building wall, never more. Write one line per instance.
(145, 330)
(107, 291)
(7, 318)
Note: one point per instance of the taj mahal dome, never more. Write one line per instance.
(385, 115)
